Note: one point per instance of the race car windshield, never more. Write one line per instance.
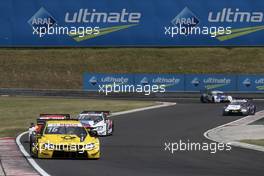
(65, 130)
(91, 118)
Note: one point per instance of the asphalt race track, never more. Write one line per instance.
(137, 147)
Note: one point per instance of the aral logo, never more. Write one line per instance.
(247, 82)
(42, 19)
(186, 18)
(144, 81)
(195, 82)
(93, 80)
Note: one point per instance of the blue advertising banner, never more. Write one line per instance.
(210, 81)
(176, 82)
(172, 82)
(94, 81)
(86, 23)
(251, 83)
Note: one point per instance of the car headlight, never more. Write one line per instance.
(244, 110)
(99, 128)
(89, 146)
(226, 110)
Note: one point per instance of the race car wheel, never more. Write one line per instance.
(202, 99)
(32, 153)
(112, 129)
(213, 99)
(253, 111)
(110, 133)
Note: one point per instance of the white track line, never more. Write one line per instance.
(234, 143)
(43, 172)
(28, 157)
(163, 104)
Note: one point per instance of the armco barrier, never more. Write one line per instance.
(179, 82)
(167, 96)
(113, 23)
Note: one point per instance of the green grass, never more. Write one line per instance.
(63, 68)
(259, 142)
(18, 112)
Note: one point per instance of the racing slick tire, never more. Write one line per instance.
(253, 111)
(34, 155)
(213, 99)
(112, 132)
(203, 100)
(31, 146)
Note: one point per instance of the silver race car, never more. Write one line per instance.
(215, 97)
(240, 107)
(97, 121)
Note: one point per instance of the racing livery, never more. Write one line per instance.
(35, 129)
(65, 138)
(98, 121)
(215, 97)
(240, 107)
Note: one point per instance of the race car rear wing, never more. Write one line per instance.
(44, 117)
(107, 113)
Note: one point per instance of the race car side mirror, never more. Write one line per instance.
(93, 133)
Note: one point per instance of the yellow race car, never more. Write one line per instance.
(65, 138)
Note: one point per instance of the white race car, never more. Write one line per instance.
(215, 97)
(97, 121)
(240, 107)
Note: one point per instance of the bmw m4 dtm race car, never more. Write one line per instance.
(215, 97)
(65, 138)
(35, 129)
(240, 107)
(98, 121)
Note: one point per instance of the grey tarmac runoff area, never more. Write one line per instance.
(137, 147)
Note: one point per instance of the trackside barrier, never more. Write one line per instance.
(115, 23)
(179, 82)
